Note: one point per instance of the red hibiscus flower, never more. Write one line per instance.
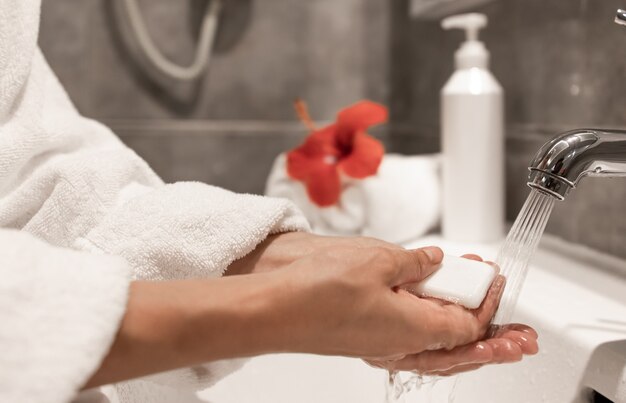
(343, 146)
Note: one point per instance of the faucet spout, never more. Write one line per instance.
(620, 17)
(563, 161)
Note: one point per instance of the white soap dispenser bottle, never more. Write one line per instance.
(472, 141)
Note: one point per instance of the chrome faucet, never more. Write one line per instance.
(620, 17)
(563, 161)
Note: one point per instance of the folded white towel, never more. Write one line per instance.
(399, 203)
(69, 181)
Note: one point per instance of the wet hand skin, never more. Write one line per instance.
(310, 294)
(502, 344)
(509, 344)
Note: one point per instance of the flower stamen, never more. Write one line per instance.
(302, 110)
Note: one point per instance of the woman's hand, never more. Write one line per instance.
(348, 300)
(502, 344)
(339, 301)
(280, 250)
(345, 298)
(507, 344)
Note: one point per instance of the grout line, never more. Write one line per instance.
(193, 125)
(148, 127)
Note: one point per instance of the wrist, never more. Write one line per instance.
(274, 252)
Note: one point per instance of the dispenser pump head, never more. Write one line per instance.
(472, 52)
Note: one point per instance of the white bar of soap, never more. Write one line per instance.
(458, 280)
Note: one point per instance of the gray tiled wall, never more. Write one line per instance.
(268, 53)
(562, 64)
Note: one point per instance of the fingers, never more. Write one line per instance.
(458, 369)
(504, 351)
(472, 256)
(527, 344)
(490, 304)
(524, 336)
(442, 360)
(456, 326)
(516, 326)
(416, 264)
(451, 325)
(510, 345)
(460, 359)
(488, 308)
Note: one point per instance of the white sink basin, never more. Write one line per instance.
(578, 308)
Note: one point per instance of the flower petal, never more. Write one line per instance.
(299, 164)
(323, 186)
(316, 148)
(322, 141)
(361, 115)
(367, 154)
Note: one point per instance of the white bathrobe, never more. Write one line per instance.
(80, 216)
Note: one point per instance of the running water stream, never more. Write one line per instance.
(513, 258)
(518, 249)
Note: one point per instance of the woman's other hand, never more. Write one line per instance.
(507, 344)
(348, 300)
(502, 344)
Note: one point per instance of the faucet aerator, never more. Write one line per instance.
(548, 184)
(563, 161)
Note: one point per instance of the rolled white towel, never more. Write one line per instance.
(399, 203)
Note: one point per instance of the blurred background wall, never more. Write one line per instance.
(562, 64)
(240, 115)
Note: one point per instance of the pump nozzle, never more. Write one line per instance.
(471, 23)
(472, 53)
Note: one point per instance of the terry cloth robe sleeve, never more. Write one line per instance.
(59, 313)
(69, 181)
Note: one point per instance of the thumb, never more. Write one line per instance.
(416, 264)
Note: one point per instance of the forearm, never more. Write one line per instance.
(175, 324)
